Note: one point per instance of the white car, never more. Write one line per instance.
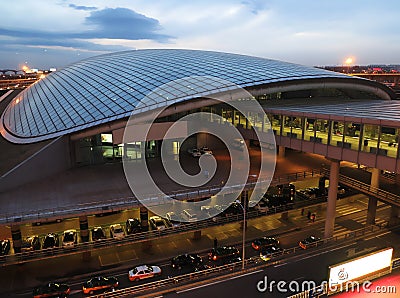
(205, 150)
(69, 238)
(173, 219)
(262, 206)
(158, 223)
(194, 152)
(143, 271)
(117, 232)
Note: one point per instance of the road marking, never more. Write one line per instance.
(219, 281)
(366, 239)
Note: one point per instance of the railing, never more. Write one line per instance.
(34, 255)
(226, 271)
(367, 189)
(132, 202)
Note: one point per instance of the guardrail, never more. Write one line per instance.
(367, 189)
(153, 199)
(251, 264)
(34, 255)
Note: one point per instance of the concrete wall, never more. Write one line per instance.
(49, 160)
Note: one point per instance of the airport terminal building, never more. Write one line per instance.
(80, 112)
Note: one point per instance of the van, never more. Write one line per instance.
(188, 215)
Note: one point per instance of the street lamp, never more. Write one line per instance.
(244, 229)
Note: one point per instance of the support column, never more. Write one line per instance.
(332, 198)
(371, 214)
(197, 235)
(375, 177)
(144, 222)
(394, 216)
(244, 199)
(281, 151)
(84, 232)
(16, 238)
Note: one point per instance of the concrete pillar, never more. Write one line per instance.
(332, 197)
(16, 238)
(394, 216)
(144, 218)
(371, 214)
(197, 235)
(375, 177)
(84, 232)
(281, 151)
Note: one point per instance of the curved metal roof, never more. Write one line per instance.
(109, 87)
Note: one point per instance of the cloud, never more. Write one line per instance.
(80, 7)
(122, 23)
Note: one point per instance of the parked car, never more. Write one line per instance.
(143, 272)
(117, 231)
(191, 261)
(98, 234)
(51, 289)
(262, 206)
(259, 243)
(223, 252)
(173, 219)
(50, 241)
(69, 238)
(189, 215)
(194, 152)
(309, 242)
(158, 223)
(205, 150)
(133, 225)
(99, 283)
(31, 243)
(4, 247)
(232, 260)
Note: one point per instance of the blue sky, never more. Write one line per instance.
(55, 33)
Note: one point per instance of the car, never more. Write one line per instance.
(233, 209)
(194, 152)
(232, 260)
(309, 241)
(223, 252)
(143, 272)
(98, 234)
(191, 261)
(51, 289)
(99, 283)
(259, 243)
(189, 215)
(262, 206)
(31, 243)
(133, 225)
(205, 150)
(50, 241)
(158, 223)
(173, 219)
(69, 238)
(117, 231)
(267, 252)
(4, 247)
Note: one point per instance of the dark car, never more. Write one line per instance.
(98, 233)
(309, 241)
(31, 243)
(233, 209)
(232, 260)
(223, 252)
(266, 253)
(52, 289)
(50, 241)
(192, 261)
(4, 247)
(99, 283)
(259, 243)
(133, 225)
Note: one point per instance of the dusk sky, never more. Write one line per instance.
(55, 33)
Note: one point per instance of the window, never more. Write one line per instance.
(337, 130)
(352, 135)
(370, 138)
(388, 141)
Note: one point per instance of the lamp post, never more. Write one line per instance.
(244, 229)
